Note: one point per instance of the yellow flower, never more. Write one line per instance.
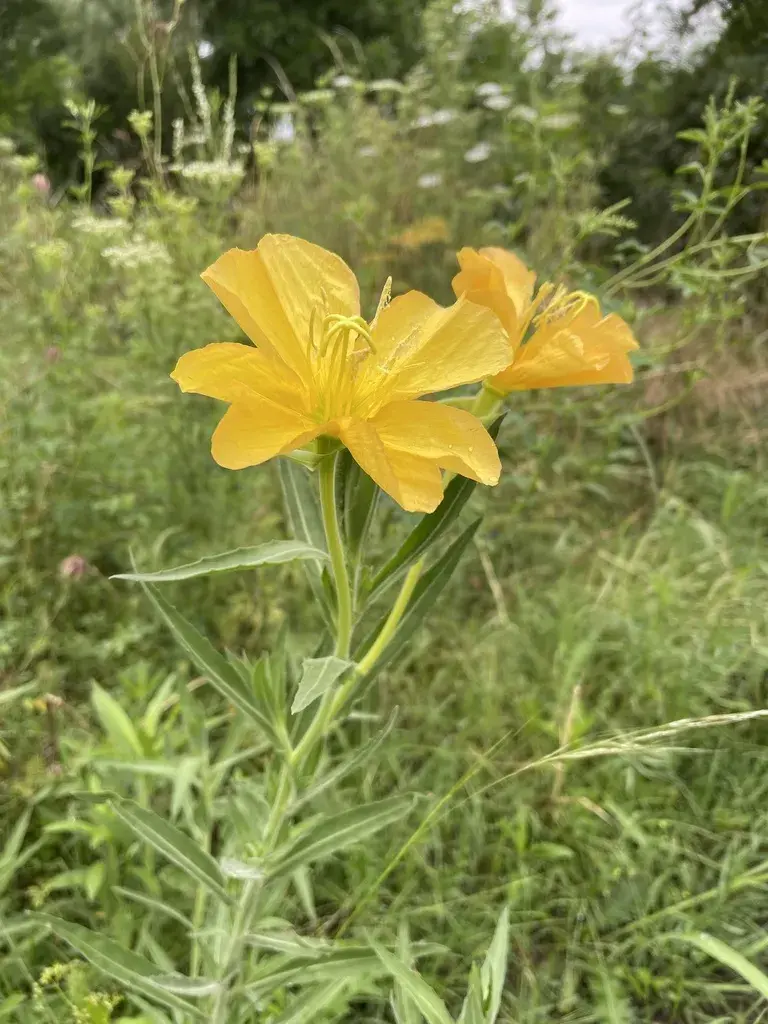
(423, 232)
(568, 341)
(319, 368)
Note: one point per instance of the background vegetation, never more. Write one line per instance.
(619, 581)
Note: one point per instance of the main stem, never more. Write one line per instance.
(327, 472)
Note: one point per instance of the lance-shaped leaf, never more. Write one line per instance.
(173, 844)
(317, 676)
(424, 996)
(430, 527)
(214, 666)
(494, 971)
(334, 833)
(424, 596)
(274, 553)
(347, 765)
(128, 968)
(302, 510)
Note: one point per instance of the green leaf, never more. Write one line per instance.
(116, 723)
(289, 942)
(360, 499)
(134, 971)
(277, 972)
(303, 511)
(424, 996)
(173, 844)
(347, 765)
(16, 692)
(310, 1007)
(219, 672)
(317, 676)
(472, 1011)
(430, 528)
(273, 553)
(181, 985)
(728, 957)
(403, 1006)
(153, 904)
(336, 832)
(422, 601)
(494, 970)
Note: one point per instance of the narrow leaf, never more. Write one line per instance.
(347, 765)
(219, 672)
(289, 942)
(181, 985)
(16, 692)
(430, 527)
(116, 723)
(125, 966)
(153, 904)
(728, 957)
(173, 844)
(494, 970)
(336, 832)
(277, 972)
(273, 553)
(472, 1010)
(425, 595)
(318, 675)
(360, 499)
(303, 512)
(314, 1005)
(424, 996)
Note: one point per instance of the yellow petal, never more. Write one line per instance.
(452, 438)
(251, 433)
(498, 280)
(576, 351)
(414, 483)
(271, 292)
(306, 277)
(518, 279)
(232, 372)
(459, 345)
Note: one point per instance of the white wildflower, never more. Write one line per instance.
(443, 116)
(386, 85)
(525, 113)
(343, 81)
(430, 180)
(88, 224)
(498, 102)
(478, 153)
(559, 122)
(488, 89)
(138, 253)
(424, 121)
(214, 172)
(283, 129)
(205, 49)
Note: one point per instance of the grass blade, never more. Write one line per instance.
(728, 957)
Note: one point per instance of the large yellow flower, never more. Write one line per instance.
(568, 341)
(318, 369)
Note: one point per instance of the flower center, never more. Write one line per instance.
(338, 344)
